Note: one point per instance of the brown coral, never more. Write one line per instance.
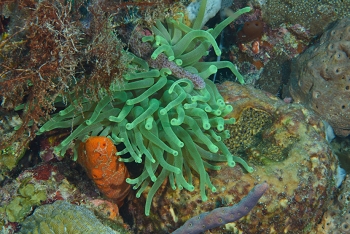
(321, 77)
(98, 156)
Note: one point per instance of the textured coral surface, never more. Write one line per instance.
(300, 179)
(68, 219)
(313, 14)
(321, 77)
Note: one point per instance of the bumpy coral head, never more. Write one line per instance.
(321, 77)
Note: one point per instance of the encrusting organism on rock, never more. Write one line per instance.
(63, 217)
(98, 157)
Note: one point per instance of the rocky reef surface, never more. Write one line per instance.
(286, 146)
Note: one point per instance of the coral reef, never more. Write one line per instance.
(320, 77)
(68, 218)
(98, 156)
(290, 152)
(87, 76)
(263, 55)
(51, 182)
(290, 27)
(168, 121)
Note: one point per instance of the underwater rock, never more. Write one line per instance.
(286, 146)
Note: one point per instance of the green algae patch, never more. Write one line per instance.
(10, 156)
(22, 205)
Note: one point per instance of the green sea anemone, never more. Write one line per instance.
(164, 121)
(187, 45)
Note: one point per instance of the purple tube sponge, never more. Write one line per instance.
(223, 215)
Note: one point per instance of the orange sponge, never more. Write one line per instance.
(98, 156)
